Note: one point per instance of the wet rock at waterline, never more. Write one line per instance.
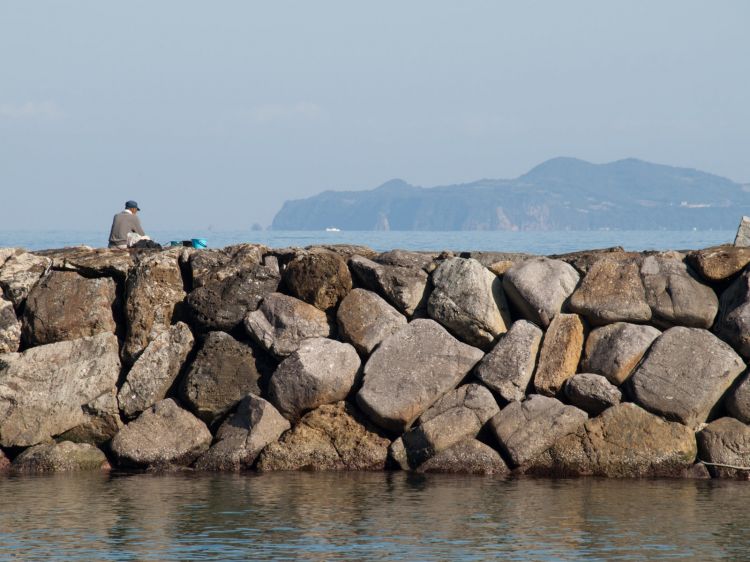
(466, 457)
(244, 434)
(163, 435)
(60, 457)
(724, 445)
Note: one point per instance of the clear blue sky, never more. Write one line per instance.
(214, 113)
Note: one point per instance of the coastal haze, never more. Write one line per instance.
(214, 117)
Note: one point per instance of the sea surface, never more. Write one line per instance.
(500, 241)
(369, 516)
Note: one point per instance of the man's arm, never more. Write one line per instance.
(137, 225)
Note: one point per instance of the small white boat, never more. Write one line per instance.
(333, 229)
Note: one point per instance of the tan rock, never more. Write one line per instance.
(20, 273)
(560, 354)
(720, 262)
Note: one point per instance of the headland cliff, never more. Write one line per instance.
(607, 362)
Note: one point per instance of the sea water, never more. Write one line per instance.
(369, 516)
(499, 241)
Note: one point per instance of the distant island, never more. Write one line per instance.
(560, 194)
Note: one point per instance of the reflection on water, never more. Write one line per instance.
(373, 516)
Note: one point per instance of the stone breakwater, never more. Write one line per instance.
(605, 362)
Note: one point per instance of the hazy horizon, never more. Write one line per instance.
(214, 115)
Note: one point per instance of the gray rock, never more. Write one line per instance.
(60, 457)
(458, 415)
(508, 368)
(155, 371)
(319, 278)
(332, 437)
(733, 321)
(725, 441)
(676, 298)
(163, 435)
(20, 273)
(560, 354)
(468, 299)
(223, 372)
(406, 288)
(591, 393)
(365, 320)
(223, 304)
(282, 323)
(684, 374)
(527, 429)
(10, 327)
(743, 233)
(615, 350)
(240, 439)
(101, 423)
(65, 306)
(91, 262)
(539, 287)
(466, 457)
(208, 266)
(321, 371)
(152, 294)
(411, 370)
(738, 400)
(43, 389)
(406, 258)
(612, 291)
(4, 462)
(623, 442)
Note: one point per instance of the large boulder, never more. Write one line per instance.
(733, 321)
(223, 304)
(623, 442)
(65, 306)
(458, 415)
(91, 262)
(539, 287)
(10, 327)
(44, 389)
(719, 263)
(321, 279)
(244, 434)
(20, 273)
(101, 421)
(333, 437)
(321, 371)
(468, 299)
(615, 350)
(508, 368)
(591, 393)
(612, 291)
(411, 370)
(282, 323)
(676, 298)
(560, 354)
(466, 457)
(365, 320)
(724, 445)
(207, 266)
(222, 373)
(65, 456)
(155, 371)
(406, 288)
(163, 435)
(737, 401)
(153, 292)
(526, 429)
(684, 375)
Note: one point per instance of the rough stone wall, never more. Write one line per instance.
(605, 362)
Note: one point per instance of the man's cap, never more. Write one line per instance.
(132, 205)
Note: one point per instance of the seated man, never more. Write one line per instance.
(126, 227)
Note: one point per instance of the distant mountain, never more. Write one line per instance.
(560, 194)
